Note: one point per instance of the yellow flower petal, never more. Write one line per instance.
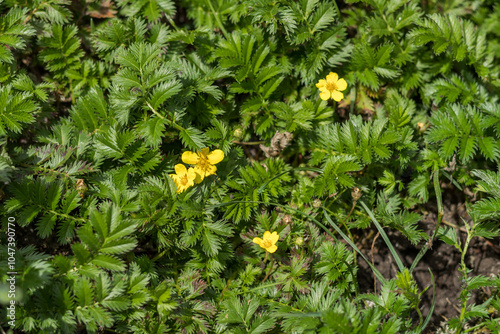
(274, 237)
(337, 96)
(257, 241)
(267, 234)
(272, 249)
(198, 178)
(201, 173)
(210, 170)
(332, 77)
(341, 84)
(321, 83)
(215, 157)
(191, 174)
(324, 95)
(205, 151)
(180, 169)
(189, 157)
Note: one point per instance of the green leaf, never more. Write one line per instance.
(108, 262)
(193, 138)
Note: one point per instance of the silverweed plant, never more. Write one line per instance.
(260, 166)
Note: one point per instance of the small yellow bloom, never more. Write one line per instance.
(331, 87)
(270, 239)
(184, 178)
(204, 161)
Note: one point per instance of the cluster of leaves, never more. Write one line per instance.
(98, 101)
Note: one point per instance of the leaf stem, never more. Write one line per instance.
(465, 290)
(172, 123)
(439, 200)
(391, 31)
(217, 18)
(270, 268)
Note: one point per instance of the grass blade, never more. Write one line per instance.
(262, 187)
(385, 237)
(431, 310)
(349, 241)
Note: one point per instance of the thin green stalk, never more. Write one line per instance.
(270, 269)
(391, 31)
(347, 229)
(268, 285)
(172, 123)
(346, 238)
(159, 255)
(217, 18)
(463, 294)
(433, 304)
(172, 23)
(439, 200)
(385, 237)
(420, 317)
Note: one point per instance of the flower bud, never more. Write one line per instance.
(421, 127)
(238, 133)
(287, 219)
(356, 193)
(299, 241)
(316, 203)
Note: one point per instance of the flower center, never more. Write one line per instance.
(267, 243)
(203, 162)
(184, 180)
(331, 86)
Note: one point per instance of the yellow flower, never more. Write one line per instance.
(331, 87)
(204, 161)
(184, 178)
(270, 239)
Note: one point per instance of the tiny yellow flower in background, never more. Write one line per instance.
(331, 87)
(204, 161)
(268, 242)
(184, 178)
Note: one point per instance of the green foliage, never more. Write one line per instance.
(456, 36)
(462, 131)
(101, 101)
(13, 33)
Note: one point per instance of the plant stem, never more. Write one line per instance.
(172, 23)
(391, 31)
(350, 212)
(345, 225)
(439, 200)
(172, 123)
(463, 294)
(217, 18)
(420, 317)
(270, 269)
(158, 256)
